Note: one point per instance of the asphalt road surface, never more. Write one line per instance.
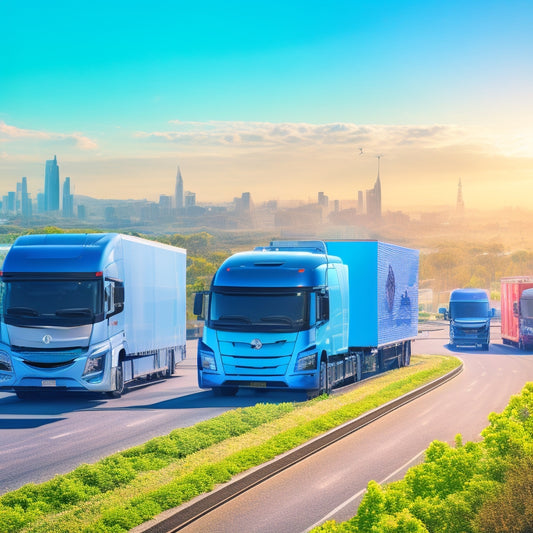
(54, 435)
(330, 484)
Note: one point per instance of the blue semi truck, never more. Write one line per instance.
(307, 315)
(90, 312)
(469, 314)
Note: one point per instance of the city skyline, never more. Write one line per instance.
(275, 99)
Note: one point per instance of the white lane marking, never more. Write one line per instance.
(139, 422)
(61, 435)
(357, 495)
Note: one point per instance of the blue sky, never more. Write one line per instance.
(253, 96)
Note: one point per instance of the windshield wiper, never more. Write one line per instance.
(233, 318)
(75, 311)
(22, 311)
(280, 319)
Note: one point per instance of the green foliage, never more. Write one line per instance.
(23, 506)
(477, 487)
(511, 508)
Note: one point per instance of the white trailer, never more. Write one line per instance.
(90, 312)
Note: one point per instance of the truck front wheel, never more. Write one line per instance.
(119, 383)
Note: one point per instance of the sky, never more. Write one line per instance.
(281, 99)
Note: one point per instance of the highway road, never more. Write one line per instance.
(330, 484)
(54, 435)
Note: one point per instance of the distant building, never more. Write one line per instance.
(51, 185)
(41, 202)
(26, 207)
(360, 202)
(178, 193)
(190, 199)
(68, 200)
(323, 200)
(82, 212)
(11, 202)
(373, 198)
(460, 208)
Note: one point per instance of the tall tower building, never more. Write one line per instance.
(373, 197)
(178, 194)
(25, 199)
(460, 208)
(68, 200)
(51, 185)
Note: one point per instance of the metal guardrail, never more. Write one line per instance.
(174, 520)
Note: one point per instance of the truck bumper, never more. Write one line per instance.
(28, 378)
(294, 382)
(468, 340)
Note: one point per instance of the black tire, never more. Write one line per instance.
(225, 391)
(323, 378)
(119, 383)
(170, 370)
(323, 384)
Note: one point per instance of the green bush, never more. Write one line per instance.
(473, 488)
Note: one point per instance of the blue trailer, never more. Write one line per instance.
(469, 314)
(307, 315)
(90, 312)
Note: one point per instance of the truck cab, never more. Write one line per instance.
(469, 315)
(525, 316)
(271, 318)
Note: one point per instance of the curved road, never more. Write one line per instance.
(329, 484)
(54, 435)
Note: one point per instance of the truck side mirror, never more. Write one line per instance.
(515, 309)
(109, 295)
(444, 312)
(493, 312)
(200, 304)
(114, 297)
(119, 293)
(322, 307)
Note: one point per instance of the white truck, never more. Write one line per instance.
(90, 312)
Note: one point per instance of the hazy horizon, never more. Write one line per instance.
(278, 99)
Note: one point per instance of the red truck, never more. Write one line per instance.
(517, 311)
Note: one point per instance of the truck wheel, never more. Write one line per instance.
(170, 370)
(119, 383)
(225, 391)
(324, 387)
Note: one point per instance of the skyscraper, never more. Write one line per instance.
(25, 199)
(51, 185)
(68, 200)
(178, 194)
(373, 198)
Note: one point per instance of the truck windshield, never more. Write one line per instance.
(469, 310)
(526, 308)
(52, 302)
(252, 310)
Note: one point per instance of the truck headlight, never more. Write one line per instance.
(5, 362)
(206, 357)
(306, 361)
(94, 364)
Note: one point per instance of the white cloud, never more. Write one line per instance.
(9, 133)
(372, 138)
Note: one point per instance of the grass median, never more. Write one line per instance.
(133, 486)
